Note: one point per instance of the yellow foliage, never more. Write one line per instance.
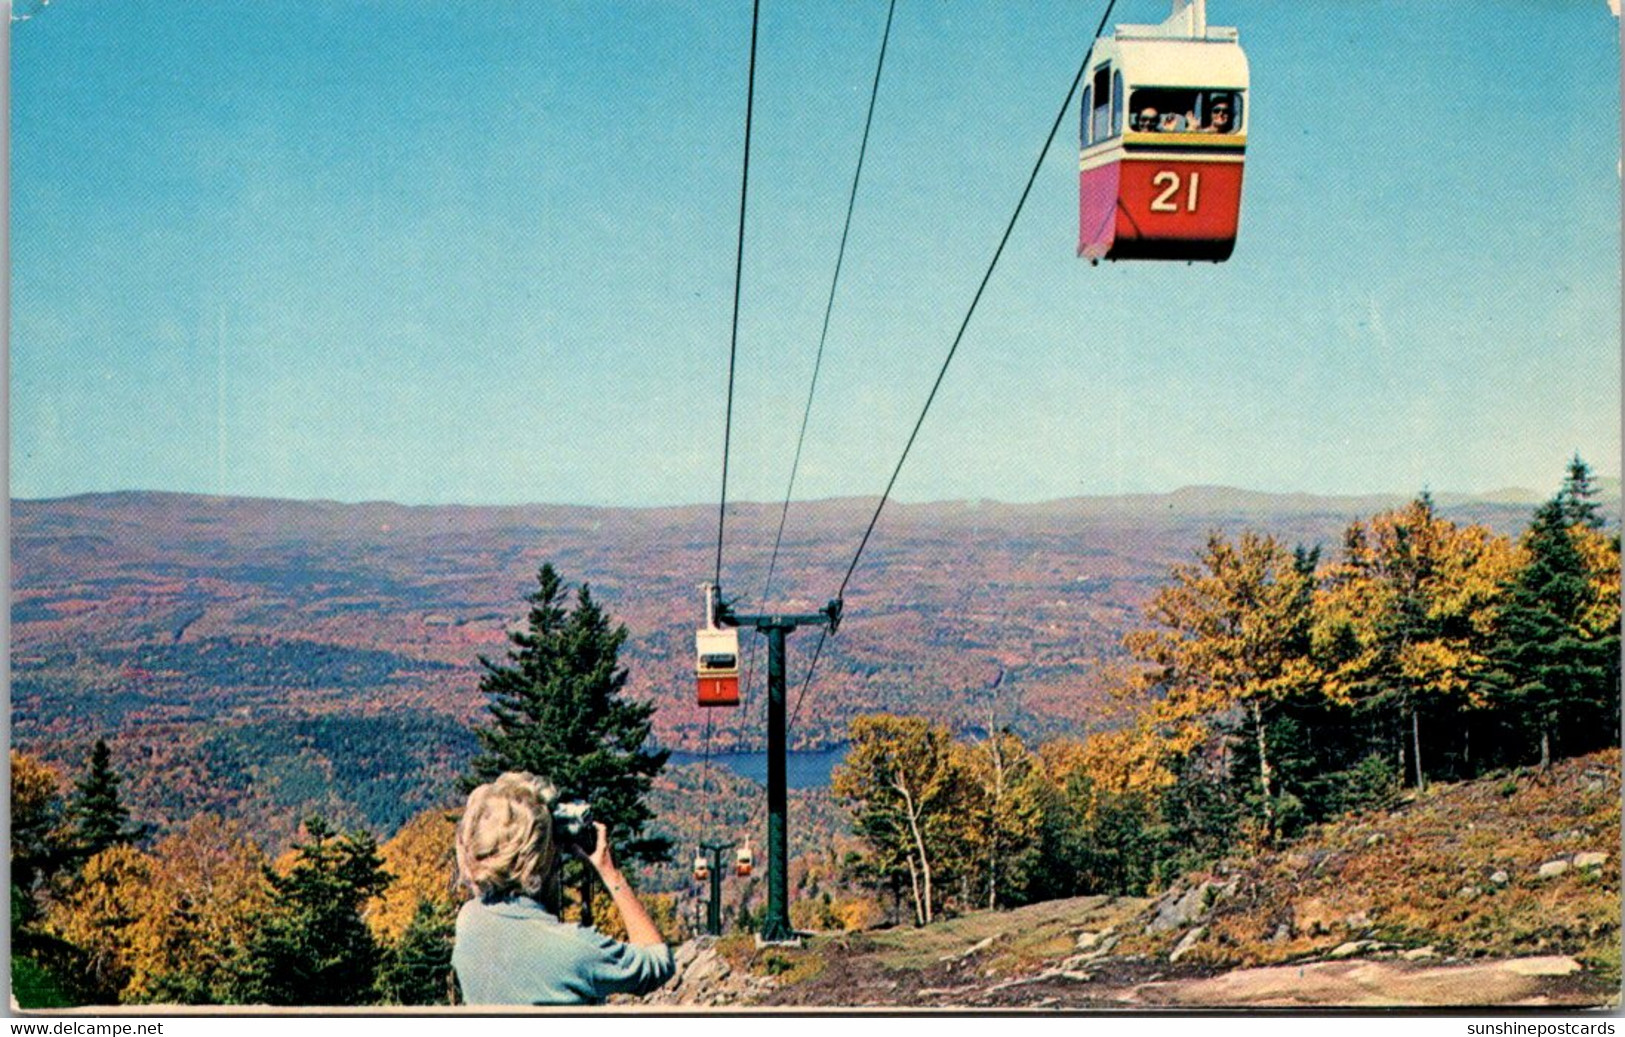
(1128, 761)
(1060, 759)
(206, 885)
(180, 911)
(36, 799)
(96, 915)
(1601, 556)
(1411, 559)
(856, 914)
(813, 914)
(422, 858)
(34, 784)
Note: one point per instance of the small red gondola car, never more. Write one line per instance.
(1163, 140)
(716, 665)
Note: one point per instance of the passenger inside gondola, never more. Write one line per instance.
(1145, 121)
(1223, 115)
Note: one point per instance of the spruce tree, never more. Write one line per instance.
(557, 712)
(313, 948)
(1577, 499)
(1554, 679)
(97, 817)
(416, 970)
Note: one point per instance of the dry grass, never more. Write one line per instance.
(1020, 939)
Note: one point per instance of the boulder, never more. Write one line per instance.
(1591, 859)
(1187, 943)
(1349, 949)
(703, 977)
(1552, 869)
(1176, 910)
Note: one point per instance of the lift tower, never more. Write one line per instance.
(776, 923)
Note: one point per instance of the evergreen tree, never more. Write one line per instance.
(557, 712)
(313, 948)
(1556, 678)
(1577, 498)
(417, 970)
(97, 817)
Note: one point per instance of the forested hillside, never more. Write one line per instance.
(262, 658)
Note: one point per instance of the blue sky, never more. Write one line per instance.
(483, 252)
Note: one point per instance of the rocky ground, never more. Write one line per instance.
(998, 972)
(1500, 892)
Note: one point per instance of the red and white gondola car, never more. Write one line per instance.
(716, 658)
(1163, 141)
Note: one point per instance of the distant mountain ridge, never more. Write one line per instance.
(1195, 497)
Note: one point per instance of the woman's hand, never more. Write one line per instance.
(600, 859)
(640, 928)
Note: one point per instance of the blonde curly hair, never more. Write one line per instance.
(505, 836)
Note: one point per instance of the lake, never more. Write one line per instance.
(803, 770)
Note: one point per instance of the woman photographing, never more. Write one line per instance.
(510, 949)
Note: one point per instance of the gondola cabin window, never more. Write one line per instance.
(1100, 117)
(1163, 110)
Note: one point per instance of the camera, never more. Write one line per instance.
(572, 824)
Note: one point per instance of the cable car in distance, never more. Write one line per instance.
(744, 860)
(702, 868)
(716, 665)
(1163, 139)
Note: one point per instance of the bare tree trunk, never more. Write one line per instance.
(919, 845)
(1264, 772)
(1402, 765)
(1545, 748)
(914, 887)
(1416, 748)
(993, 822)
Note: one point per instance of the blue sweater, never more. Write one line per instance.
(513, 952)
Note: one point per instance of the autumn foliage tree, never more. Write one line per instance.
(197, 914)
(1000, 813)
(415, 918)
(1406, 617)
(37, 843)
(421, 859)
(899, 777)
(97, 916)
(1232, 633)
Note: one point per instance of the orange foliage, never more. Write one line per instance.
(421, 857)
